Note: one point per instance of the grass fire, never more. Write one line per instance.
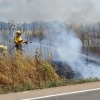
(47, 55)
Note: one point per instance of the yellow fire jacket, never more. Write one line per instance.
(17, 39)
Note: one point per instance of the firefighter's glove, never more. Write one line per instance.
(20, 42)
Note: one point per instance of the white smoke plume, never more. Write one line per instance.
(65, 46)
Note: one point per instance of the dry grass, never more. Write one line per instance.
(23, 71)
(90, 32)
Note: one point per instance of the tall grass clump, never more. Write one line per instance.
(17, 74)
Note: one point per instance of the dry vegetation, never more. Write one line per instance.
(90, 32)
(25, 71)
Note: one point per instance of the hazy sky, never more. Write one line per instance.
(73, 11)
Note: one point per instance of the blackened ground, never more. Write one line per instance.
(63, 70)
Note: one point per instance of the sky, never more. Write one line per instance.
(71, 11)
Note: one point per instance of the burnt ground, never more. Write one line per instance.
(63, 70)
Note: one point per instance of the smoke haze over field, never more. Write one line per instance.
(63, 44)
(66, 47)
(72, 11)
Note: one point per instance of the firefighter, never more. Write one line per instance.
(3, 49)
(18, 43)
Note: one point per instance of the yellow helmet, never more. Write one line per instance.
(18, 32)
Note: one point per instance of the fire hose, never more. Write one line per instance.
(85, 56)
(16, 45)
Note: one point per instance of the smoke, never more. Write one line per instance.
(74, 11)
(77, 62)
(65, 46)
(70, 11)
